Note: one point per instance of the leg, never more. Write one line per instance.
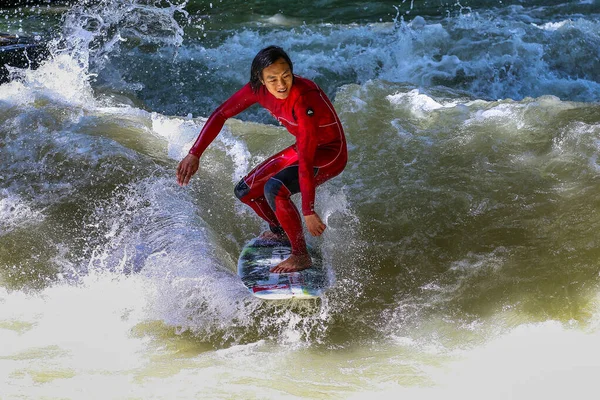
(250, 190)
(258, 204)
(278, 192)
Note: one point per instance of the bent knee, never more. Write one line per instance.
(241, 189)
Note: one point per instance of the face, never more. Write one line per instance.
(278, 79)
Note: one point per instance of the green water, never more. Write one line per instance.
(462, 236)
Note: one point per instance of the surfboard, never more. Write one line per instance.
(259, 255)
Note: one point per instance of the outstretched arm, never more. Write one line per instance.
(237, 103)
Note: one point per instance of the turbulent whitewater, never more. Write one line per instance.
(463, 236)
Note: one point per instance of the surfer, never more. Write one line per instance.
(318, 154)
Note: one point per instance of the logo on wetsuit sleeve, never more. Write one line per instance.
(310, 112)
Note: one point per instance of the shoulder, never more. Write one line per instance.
(306, 91)
(237, 102)
(305, 85)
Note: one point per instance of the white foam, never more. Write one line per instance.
(553, 26)
(237, 150)
(180, 133)
(546, 360)
(79, 330)
(60, 80)
(282, 20)
(16, 212)
(419, 104)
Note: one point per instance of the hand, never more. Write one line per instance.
(315, 226)
(187, 168)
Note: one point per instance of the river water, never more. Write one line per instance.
(463, 236)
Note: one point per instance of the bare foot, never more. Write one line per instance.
(268, 235)
(294, 263)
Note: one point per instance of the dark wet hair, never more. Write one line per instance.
(262, 60)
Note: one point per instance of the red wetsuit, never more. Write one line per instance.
(319, 153)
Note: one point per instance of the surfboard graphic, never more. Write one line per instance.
(259, 255)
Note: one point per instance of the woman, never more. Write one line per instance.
(318, 154)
